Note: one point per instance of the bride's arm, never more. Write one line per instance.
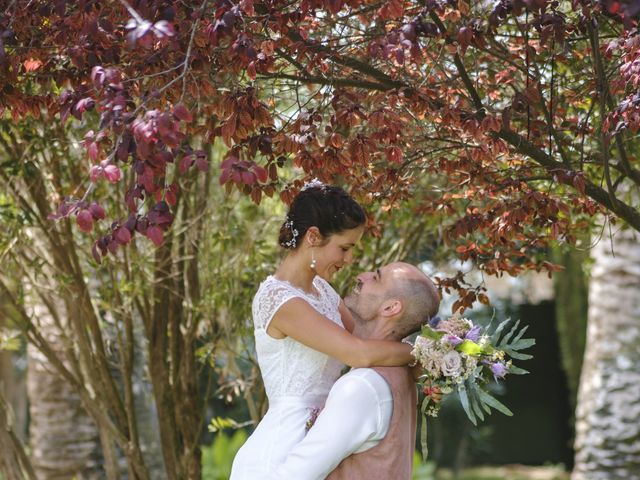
(300, 321)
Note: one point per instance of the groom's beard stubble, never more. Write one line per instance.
(361, 327)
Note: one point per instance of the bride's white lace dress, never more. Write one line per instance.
(297, 379)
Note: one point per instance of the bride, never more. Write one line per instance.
(302, 327)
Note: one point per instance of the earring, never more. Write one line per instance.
(313, 261)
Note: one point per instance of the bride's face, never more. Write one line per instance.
(336, 252)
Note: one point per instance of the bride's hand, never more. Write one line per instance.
(416, 372)
(432, 392)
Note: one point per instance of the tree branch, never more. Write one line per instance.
(339, 82)
(362, 67)
(475, 97)
(600, 195)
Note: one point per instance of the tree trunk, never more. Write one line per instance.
(607, 427)
(64, 439)
(571, 306)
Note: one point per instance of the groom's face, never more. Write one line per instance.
(372, 289)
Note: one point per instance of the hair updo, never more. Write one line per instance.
(327, 207)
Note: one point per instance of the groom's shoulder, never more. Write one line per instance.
(359, 380)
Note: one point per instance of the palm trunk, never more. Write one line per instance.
(607, 427)
(64, 439)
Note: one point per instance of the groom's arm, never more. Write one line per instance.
(355, 418)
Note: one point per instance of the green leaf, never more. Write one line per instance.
(508, 336)
(492, 402)
(429, 332)
(522, 344)
(464, 400)
(475, 403)
(521, 333)
(219, 423)
(496, 334)
(10, 340)
(476, 391)
(517, 355)
(517, 371)
(423, 429)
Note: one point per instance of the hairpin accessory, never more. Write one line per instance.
(294, 235)
(312, 183)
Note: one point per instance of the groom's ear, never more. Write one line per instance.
(391, 307)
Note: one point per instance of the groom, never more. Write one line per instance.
(368, 425)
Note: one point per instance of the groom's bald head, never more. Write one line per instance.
(398, 297)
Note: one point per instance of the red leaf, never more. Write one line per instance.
(248, 178)
(112, 173)
(202, 164)
(394, 154)
(224, 177)
(251, 70)
(334, 6)
(170, 197)
(155, 235)
(123, 235)
(185, 163)
(97, 212)
(579, 183)
(182, 113)
(95, 173)
(92, 150)
(84, 219)
(261, 173)
(247, 7)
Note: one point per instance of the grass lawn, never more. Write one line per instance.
(506, 472)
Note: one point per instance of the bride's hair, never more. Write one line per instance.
(327, 207)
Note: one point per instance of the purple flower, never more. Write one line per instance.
(474, 333)
(454, 340)
(433, 322)
(498, 369)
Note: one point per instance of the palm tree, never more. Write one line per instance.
(607, 428)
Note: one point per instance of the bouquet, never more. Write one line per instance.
(456, 355)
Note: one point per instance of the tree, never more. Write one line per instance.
(493, 101)
(99, 341)
(519, 115)
(607, 433)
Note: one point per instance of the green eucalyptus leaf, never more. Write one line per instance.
(505, 340)
(521, 333)
(517, 355)
(464, 400)
(496, 335)
(522, 344)
(474, 400)
(517, 371)
(492, 402)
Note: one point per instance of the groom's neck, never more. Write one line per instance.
(371, 330)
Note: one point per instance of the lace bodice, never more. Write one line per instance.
(288, 367)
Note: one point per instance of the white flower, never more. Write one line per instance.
(451, 365)
(429, 354)
(311, 184)
(470, 365)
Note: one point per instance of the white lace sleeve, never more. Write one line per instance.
(269, 298)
